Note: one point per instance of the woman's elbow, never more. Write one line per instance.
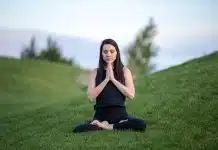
(130, 95)
(91, 96)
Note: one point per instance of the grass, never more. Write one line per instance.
(41, 104)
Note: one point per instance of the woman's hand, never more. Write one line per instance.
(107, 74)
(128, 89)
(110, 71)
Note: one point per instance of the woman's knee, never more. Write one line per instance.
(85, 127)
(140, 124)
(78, 128)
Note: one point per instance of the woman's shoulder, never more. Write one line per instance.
(127, 72)
(93, 71)
(126, 69)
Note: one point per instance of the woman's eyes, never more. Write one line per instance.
(111, 51)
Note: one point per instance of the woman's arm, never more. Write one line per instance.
(129, 89)
(93, 91)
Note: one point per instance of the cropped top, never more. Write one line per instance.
(110, 95)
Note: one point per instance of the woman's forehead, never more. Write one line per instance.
(108, 47)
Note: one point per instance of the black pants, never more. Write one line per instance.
(113, 115)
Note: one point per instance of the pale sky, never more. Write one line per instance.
(118, 19)
(121, 19)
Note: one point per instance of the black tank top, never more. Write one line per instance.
(110, 95)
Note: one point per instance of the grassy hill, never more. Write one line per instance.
(41, 104)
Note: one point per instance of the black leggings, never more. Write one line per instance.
(113, 115)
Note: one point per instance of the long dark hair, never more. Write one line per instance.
(118, 65)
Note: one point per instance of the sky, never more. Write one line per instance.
(121, 20)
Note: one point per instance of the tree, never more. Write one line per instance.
(142, 49)
(29, 52)
(52, 52)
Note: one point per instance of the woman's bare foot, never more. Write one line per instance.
(103, 124)
(109, 127)
(94, 122)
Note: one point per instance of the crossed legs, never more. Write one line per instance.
(129, 123)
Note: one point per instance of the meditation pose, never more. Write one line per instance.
(109, 85)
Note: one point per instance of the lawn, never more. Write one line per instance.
(41, 104)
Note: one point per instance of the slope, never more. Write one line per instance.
(40, 105)
(180, 104)
(29, 84)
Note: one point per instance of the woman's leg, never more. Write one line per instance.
(131, 123)
(86, 127)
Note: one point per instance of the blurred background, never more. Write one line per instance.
(47, 48)
(73, 29)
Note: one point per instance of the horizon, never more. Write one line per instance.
(179, 23)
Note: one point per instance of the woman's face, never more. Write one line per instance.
(109, 53)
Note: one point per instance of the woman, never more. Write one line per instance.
(108, 86)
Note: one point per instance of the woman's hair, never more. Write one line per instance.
(118, 65)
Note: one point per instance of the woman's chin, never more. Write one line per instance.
(109, 62)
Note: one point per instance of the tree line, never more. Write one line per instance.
(139, 52)
(51, 53)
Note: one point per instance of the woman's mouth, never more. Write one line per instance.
(108, 59)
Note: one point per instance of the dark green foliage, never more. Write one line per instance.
(29, 52)
(142, 49)
(51, 53)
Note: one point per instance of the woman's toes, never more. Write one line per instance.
(94, 122)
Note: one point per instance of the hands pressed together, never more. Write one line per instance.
(109, 76)
(110, 72)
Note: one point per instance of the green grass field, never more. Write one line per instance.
(41, 104)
